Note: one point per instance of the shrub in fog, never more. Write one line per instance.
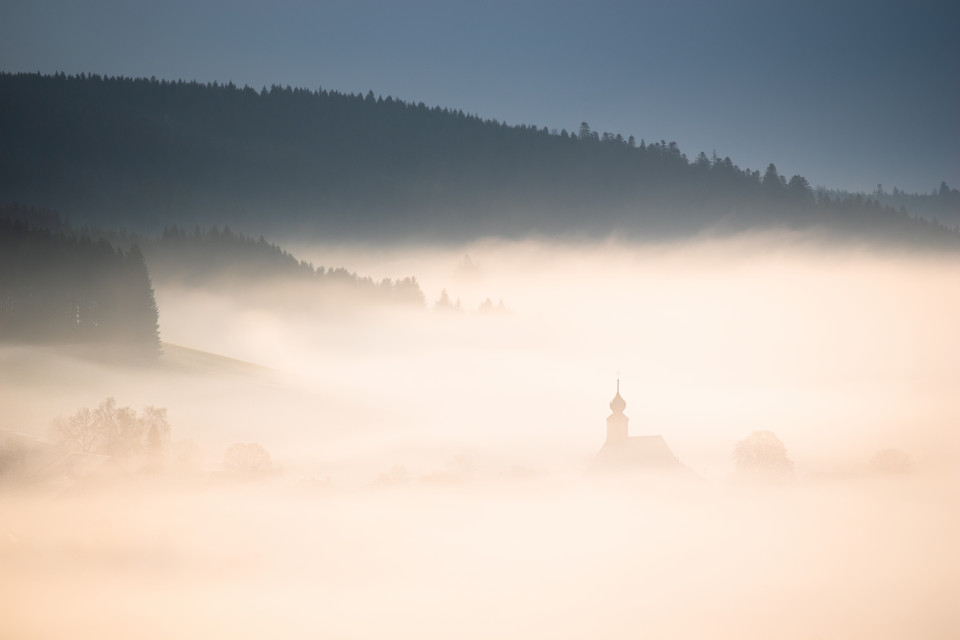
(185, 455)
(890, 461)
(397, 474)
(14, 452)
(247, 459)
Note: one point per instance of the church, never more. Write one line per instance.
(623, 452)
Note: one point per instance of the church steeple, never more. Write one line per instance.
(618, 404)
(617, 421)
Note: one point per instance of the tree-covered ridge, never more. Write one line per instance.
(58, 287)
(215, 257)
(942, 205)
(144, 153)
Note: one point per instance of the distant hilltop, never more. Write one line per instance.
(144, 154)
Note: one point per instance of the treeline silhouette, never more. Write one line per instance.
(57, 286)
(218, 258)
(145, 153)
(942, 205)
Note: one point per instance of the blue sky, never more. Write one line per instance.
(848, 94)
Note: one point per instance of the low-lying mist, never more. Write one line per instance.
(431, 466)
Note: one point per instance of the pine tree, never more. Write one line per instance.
(139, 315)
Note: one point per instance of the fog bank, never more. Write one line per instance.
(432, 464)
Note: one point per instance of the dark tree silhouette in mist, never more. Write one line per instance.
(64, 287)
(141, 329)
(216, 258)
(444, 304)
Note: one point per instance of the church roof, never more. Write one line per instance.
(637, 452)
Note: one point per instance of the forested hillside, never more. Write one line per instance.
(213, 258)
(220, 259)
(58, 287)
(942, 204)
(147, 153)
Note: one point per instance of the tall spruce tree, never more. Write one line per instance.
(139, 316)
(65, 288)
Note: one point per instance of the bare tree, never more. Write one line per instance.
(118, 431)
(125, 432)
(79, 432)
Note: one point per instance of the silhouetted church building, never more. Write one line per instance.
(625, 452)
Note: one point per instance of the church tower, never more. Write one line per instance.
(623, 452)
(617, 422)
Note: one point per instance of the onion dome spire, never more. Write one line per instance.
(618, 404)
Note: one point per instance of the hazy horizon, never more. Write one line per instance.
(759, 318)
